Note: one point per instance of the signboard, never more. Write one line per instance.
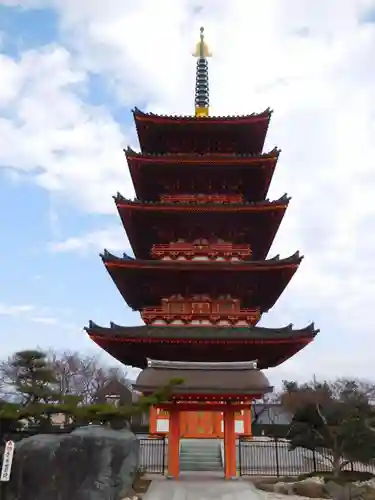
(7, 461)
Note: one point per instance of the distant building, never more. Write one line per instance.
(270, 419)
(270, 414)
(115, 392)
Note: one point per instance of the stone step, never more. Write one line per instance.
(204, 444)
(205, 458)
(201, 449)
(205, 453)
(197, 449)
(200, 455)
(192, 459)
(194, 466)
(200, 467)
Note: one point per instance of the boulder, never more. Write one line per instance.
(343, 491)
(283, 488)
(272, 479)
(367, 492)
(310, 489)
(265, 487)
(313, 479)
(370, 483)
(90, 463)
(266, 479)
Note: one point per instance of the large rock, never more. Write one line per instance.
(91, 463)
(346, 491)
(284, 488)
(310, 489)
(266, 487)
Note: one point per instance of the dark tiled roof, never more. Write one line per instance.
(189, 118)
(197, 332)
(130, 153)
(202, 367)
(205, 381)
(275, 261)
(145, 282)
(119, 199)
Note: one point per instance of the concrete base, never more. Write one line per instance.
(202, 487)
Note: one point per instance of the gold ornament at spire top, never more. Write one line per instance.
(201, 50)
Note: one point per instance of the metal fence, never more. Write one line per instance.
(273, 457)
(153, 453)
(258, 457)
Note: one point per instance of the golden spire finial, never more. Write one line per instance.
(201, 49)
(201, 86)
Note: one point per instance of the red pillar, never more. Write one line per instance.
(247, 421)
(152, 420)
(174, 443)
(229, 444)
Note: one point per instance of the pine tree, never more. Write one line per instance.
(35, 380)
(336, 419)
(36, 384)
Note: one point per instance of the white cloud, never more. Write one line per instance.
(111, 238)
(15, 310)
(309, 61)
(30, 312)
(48, 133)
(45, 320)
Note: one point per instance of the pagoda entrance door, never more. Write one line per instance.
(200, 424)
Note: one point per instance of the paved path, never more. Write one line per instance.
(200, 488)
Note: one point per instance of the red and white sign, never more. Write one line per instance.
(7, 461)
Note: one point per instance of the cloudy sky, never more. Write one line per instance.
(70, 72)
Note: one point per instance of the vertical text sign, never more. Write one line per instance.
(7, 461)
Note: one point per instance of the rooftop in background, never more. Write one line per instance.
(270, 414)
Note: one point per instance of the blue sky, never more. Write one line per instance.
(72, 71)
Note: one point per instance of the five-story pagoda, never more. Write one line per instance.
(201, 228)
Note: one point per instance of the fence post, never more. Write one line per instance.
(163, 451)
(277, 457)
(314, 460)
(239, 457)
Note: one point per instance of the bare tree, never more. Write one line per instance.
(76, 375)
(8, 379)
(295, 396)
(83, 376)
(345, 390)
(262, 406)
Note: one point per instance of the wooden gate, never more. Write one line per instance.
(200, 424)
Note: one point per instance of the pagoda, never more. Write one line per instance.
(201, 227)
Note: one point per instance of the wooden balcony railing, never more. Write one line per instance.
(151, 315)
(212, 251)
(201, 198)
